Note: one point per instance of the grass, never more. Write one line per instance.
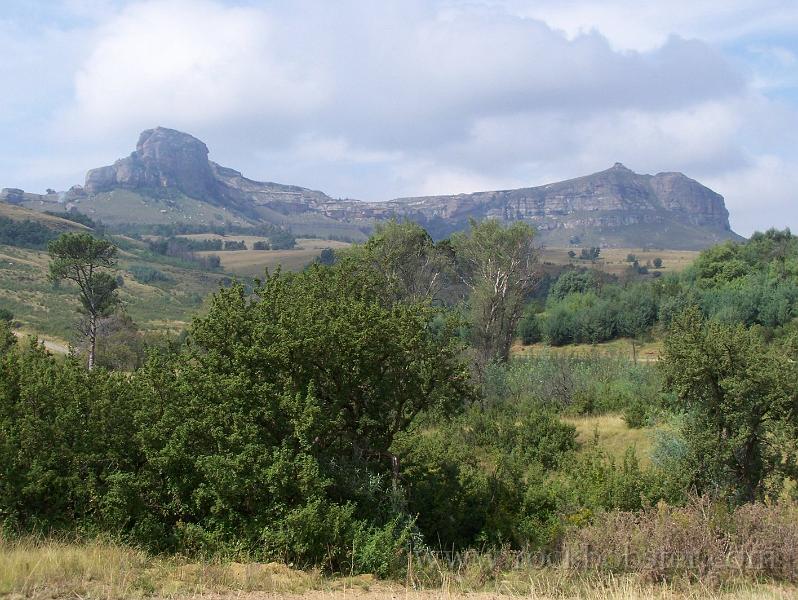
(34, 568)
(253, 263)
(18, 213)
(614, 436)
(648, 351)
(52, 312)
(613, 260)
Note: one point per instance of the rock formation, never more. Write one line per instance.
(613, 206)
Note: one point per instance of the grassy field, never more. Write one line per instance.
(165, 305)
(253, 263)
(52, 312)
(18, 213)
(100, 569)
(613, 260)
(647, 351)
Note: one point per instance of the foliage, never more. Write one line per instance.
(590, 253)
(148, 274)
(25, 234)
(76, 217)
(498, 265)
(81, 258)
(414, 267)
(740, 398)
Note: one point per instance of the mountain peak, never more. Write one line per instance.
(620, 167)
(164, 158)
(171, 140)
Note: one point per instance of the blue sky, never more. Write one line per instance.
(375, 100)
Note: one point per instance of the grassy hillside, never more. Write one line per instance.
(52, 311)
(159, 293)
(20, 213)
(671, 234)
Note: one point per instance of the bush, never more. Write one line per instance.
(147, 274)
(529, 329)
(702, 541)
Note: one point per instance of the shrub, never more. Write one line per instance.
(702, 541)
(147, 274)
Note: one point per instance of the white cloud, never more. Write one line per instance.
(377, 100)
(187, 63)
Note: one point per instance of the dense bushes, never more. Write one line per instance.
(26, 234)
(269, 435)
(329, 418)
(148, 274)
(755, 283)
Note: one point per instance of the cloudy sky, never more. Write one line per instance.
(378, 99)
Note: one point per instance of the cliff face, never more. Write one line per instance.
(616, 197)
(614, 206)
(164, 159)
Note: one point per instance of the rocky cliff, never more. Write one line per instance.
(615, 198)
(612, 207)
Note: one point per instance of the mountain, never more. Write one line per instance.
(169, 179)
(612, 207)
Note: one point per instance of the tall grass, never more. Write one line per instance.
(703, 541)
(32, 567)
(47, 568)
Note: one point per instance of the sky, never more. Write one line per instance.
(377, 100)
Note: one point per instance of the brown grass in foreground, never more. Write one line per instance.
(53, 569)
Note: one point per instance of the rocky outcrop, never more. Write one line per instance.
(164, 159)
(167, 162)
(12, 195)
(617, 197)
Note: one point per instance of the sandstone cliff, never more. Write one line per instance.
(612, 207)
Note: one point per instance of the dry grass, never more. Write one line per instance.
(47, 569)
(614, 435)
(253, 263)
(645, 351)
(703, 541)
(613, 260)
(52, 569)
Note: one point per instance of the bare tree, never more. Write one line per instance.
(499, 266)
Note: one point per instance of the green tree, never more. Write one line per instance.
(82, 259)
(414, 267)
(741, 400)
(499, 266)
(272, 430)
(7, 337)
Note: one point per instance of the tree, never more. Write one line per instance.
(741, 400)
(658, 263)
(415, 268)
(81, 258)
(272, 430)
(499, 266)
(7, 338)
(591, 253)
